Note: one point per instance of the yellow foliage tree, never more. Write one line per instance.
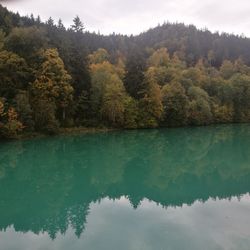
(52, 87)
(58, 79)
(10, 126)
(108, 92)
(151, 104)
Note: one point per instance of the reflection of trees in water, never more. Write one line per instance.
(47, 184)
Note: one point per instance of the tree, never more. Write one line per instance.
(99, 56)
(222, 113)
(220, 91)
(160, 58)
(113, 107)
(1, 108)
(38, 20)
(23, 108)
(53, 85)
(77, 66)
(131, 113)
(175, 104)
(199, 107)
(50, 22)
(77, 25)
(101, 75)
(10, 126)
(150, 106)
(60, 25)
(2, 38)
(83, 109)
(134, 74)
(108, 93)
(14, 74)
(227, 69)
(164, 69)
(26, 42)
(193, 76)
(120, 67)
(45, 115)
(241, 67)
(241, 97)
(210, 57)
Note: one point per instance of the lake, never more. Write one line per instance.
(185, 188)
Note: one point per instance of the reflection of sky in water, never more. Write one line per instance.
(114, 224)
(88, 186)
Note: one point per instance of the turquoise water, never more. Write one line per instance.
(184, 188)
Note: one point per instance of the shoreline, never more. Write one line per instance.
(91, 130)
(62, 131)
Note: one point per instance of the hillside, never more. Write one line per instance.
(171, 75)
(190, 41)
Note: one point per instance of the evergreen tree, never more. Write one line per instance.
(134, 75)
(60, 25)
(50, 22)
(77, 25)
(14, 74)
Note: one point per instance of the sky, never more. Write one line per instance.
(136, 16)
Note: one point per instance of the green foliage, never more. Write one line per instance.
(193, 76)
(26, 42)
(151, 108)
(14, 74)
(199, 107)
(222, 113)
(50, 22)
(113, 102)
(108, 92)
(23, 108)
(131, 113)
(83, 108)
(175, 104)
(134, 75)
(77, 25)
(241, 97)
(44, 116)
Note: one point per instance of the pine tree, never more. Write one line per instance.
(77, 25)
(50, 22)
(60, 25)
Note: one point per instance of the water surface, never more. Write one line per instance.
(163, 189)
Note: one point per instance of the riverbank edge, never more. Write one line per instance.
(92, 130)
(62, 131)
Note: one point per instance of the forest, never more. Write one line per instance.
(53, 77)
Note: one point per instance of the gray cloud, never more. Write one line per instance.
(135, 16)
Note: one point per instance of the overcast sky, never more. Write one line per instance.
(135, 16)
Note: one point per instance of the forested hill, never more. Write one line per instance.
(191, 42)
(171, 75)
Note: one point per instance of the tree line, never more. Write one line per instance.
(53, 77)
